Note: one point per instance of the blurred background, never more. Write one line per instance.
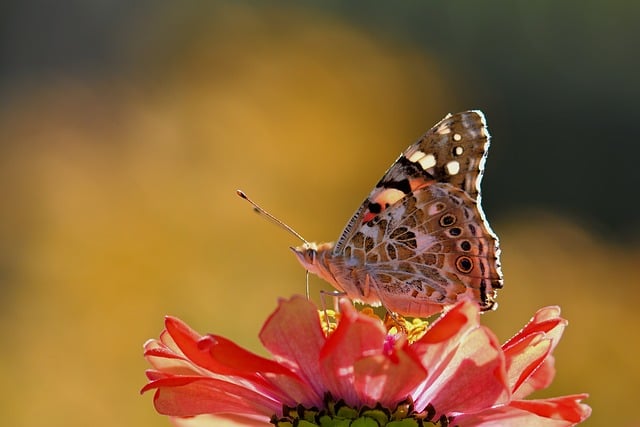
(125, 129)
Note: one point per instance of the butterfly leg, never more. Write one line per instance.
(391, 318)
(327, 314)
(334, 294)
(306, 282)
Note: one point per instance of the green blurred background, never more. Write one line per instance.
(126, 128)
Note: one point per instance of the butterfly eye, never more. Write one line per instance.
(311, 255)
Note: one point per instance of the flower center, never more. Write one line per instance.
(396, 325)
(339, 414)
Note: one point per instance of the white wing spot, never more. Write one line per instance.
(453, 167)
(427, 161)
(417, 156)
(457, 137)
(458, 151)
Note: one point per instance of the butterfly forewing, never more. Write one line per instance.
(453, 151)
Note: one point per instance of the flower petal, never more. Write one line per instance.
(445, 334)
(231, 359)
(465, 362)
(214, 353)
(556, 412)
(545, 320)
(566, 408)
(294, 336)
(218, 421)
(474, 379)
(524, 357)
(539, 380)
(189, 396)
(356, 337)
(217, 357)
(527, 351)
(388, 380)
(164, 359)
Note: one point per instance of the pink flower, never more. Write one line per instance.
(456, 373)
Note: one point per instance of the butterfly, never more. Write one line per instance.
(420, 241)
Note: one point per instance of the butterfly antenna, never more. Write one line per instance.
(273, 219)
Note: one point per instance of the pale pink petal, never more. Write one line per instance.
(539, 380)
(217, 421)
(524, 357)
(164, 359)
(569, 408)
(527, 351)
(184, 397)
(507, 416)
(388, 379)
(444, 335)
(356, 336)
(474, 379)
(461, 356)
(560, 411)
(294, 336)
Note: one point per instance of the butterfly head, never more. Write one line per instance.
(313, 258)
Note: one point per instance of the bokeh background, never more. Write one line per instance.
(126, 127)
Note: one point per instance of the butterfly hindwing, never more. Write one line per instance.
(428, 250)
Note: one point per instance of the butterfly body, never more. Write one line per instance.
(420, 241)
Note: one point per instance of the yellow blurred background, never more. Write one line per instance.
(119, 205)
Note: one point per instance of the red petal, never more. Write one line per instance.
(233, 359)
(545, 320)
(218, 354)
(186, 339)
(294, 336)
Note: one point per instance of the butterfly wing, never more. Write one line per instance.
(429, 250)
(453, 151)
(420, 240)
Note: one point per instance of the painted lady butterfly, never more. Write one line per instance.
(420, 241)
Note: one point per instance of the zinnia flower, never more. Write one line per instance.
(455, 373)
